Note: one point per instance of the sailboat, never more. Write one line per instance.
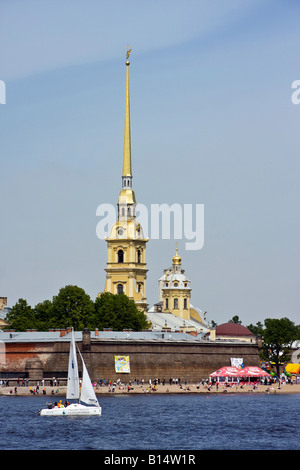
(87, 403)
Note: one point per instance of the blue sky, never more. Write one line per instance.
(212, 122)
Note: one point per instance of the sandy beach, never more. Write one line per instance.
(158, 389)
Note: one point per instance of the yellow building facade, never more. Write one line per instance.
(175, 290)
(126, 269)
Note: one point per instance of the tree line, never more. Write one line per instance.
(72, 306)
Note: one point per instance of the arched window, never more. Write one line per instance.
(139, 256)
(167, 304)
(119, 288)
(120, 256)
(123, 212)
(175, 303)
(185, 303)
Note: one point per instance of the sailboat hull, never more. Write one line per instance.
(75, 409)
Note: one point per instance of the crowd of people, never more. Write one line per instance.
(150, 385)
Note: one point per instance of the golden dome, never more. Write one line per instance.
(176, 259)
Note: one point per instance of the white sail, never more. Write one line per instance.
(87, 395)
(73, 377)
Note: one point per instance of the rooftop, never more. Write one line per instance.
(161, 320)
(232, 329)
(107, 334)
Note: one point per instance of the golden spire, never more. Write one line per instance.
(127, 139)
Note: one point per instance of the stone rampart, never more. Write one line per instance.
(187, 360)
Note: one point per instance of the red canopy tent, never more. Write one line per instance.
(253, 372)
(229, 373)
(226, 372)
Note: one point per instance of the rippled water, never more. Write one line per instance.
(172, 422)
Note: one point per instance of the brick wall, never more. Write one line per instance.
(148, 359)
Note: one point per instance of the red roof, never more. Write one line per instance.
(232, 329)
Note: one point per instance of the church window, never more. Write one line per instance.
(123, 212)
(175, 284)
(128, 210)
(175, 303)
(185, 303)
(120, 288)
(167, 304)
(140, 285)
(139, 256)
(120, 256)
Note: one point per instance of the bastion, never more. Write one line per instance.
(164, 355)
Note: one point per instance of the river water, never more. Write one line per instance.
(172, 422)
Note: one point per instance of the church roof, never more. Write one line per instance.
(232, 329)
(180, 278)
(161, 320)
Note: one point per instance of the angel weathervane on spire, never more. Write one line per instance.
(128, 53)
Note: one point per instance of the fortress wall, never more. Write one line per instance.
(190, 361)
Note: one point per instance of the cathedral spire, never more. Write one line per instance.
(127, 171)
(126, 269)
(126, 200)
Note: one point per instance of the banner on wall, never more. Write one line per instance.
(122, 364)
(237, 362)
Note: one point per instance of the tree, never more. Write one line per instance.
(235, 319)
(43, 313)
(118, 312)
(278, 336)
(21, 316)
(72, 307)
(256, 329)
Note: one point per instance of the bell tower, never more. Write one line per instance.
(126, 264)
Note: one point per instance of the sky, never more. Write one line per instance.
(212, 123)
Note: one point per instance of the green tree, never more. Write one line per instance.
(235, 319)
(278, 336)
(256, 329)
(43, 313)
(118, 312)
(21, 316)
(72, 307)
